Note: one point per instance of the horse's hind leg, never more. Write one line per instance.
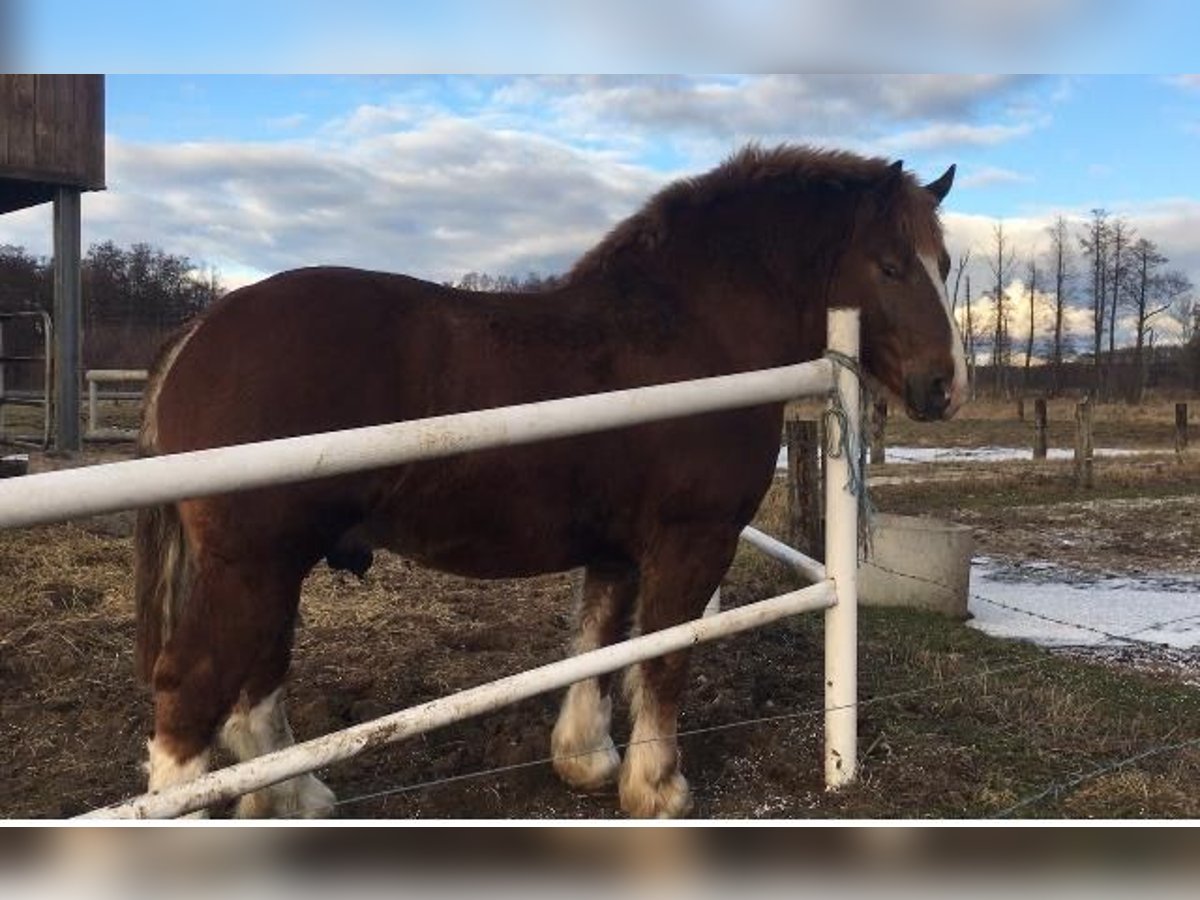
(583, 751)
(678, 577)
(234, 617)
(257, 725)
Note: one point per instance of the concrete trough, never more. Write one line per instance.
(918, 563)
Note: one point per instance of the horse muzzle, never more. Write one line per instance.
(929, 397)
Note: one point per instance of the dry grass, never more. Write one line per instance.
(987, 422)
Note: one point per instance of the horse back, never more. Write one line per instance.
(325, 349)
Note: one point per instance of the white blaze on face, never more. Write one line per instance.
(958, 390)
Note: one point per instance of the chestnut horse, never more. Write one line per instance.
(727, 272)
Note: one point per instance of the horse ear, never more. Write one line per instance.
(941, 187)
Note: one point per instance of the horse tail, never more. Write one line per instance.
(162, 579)
(162, 566)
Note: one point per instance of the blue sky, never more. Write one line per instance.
(441, 175)
(1066, 141)
(1130, 36)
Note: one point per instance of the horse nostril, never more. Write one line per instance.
(938, 399)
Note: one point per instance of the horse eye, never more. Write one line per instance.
(890, 270)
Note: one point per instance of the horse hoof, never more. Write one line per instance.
(588, 770)
(669, 798)
(304, 797)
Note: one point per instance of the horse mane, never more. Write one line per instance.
(788, 167)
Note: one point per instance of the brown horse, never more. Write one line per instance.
(730, 271)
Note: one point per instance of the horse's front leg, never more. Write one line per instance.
(678, 577)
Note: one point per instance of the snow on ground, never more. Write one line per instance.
(903, 455)
(1163, 609)
(985, 454)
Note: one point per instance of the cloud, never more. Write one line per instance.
(435, 202)
(287, 123)
(776, 105)
(986, 176)
(955, 134)
(1187, 82)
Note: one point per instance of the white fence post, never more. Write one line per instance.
(841, 560)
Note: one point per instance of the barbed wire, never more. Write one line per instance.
(1058, 788)
(1055, 789)
(694, 732)
(1031, 664)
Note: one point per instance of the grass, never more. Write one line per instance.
(992, 741)
(1046, 483)
(955, 724)
(987, 422)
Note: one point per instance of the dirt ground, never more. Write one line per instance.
(75, 720)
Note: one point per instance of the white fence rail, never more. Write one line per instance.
(55, 496)
(72, 493)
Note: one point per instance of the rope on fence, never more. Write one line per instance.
(849, 445)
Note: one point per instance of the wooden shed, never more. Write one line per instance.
(52, 150)
(51, 136)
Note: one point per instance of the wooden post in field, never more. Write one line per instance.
(1084, 476)
(879, 412)
(1020, 409)
(1039, 428)
(806, 522)
(1181, 427)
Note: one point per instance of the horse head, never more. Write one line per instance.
(895, 269)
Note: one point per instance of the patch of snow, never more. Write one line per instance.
(1044, 603)
(910, 455)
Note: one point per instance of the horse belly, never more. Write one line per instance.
(477, 521)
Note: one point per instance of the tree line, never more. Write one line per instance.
(139, 285)
(1102, 267)
(1099, 267)
(132, 297)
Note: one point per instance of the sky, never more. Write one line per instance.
(659, 36)
(438, 174)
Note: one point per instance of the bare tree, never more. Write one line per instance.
(1060, 255)
(1186, 313)
(1120, 237)
(1032, 272)
(971, 341)
(1151, 293)
(960, 267)
(968, 338)
(1146, 262)
(1095, 246)
(1000, 263)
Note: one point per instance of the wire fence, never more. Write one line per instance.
(1050, 792)
(1053, 790)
